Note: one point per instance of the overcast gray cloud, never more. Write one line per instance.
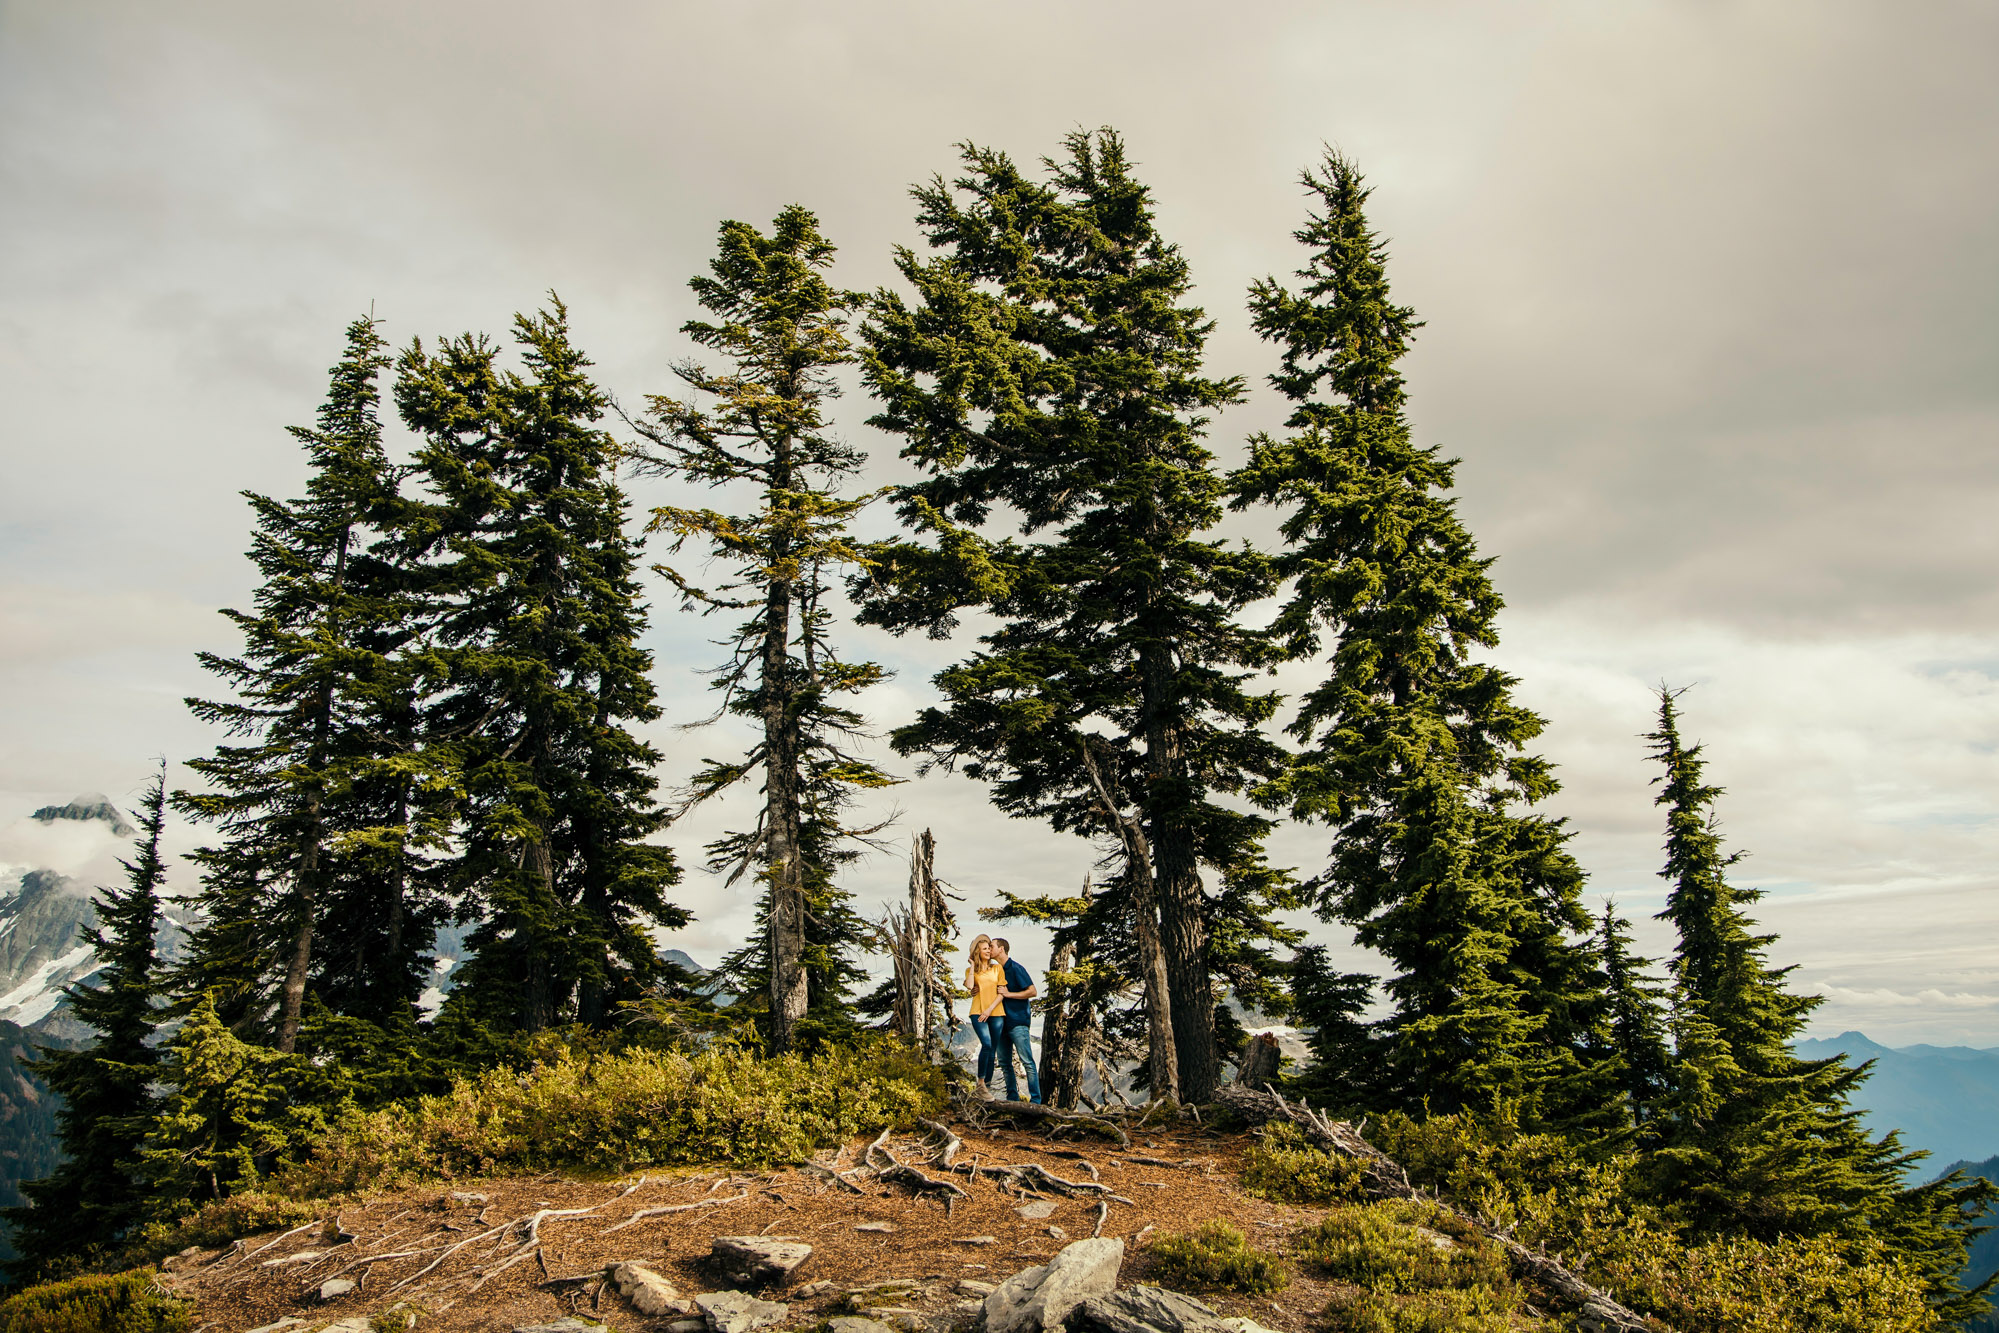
(1712, 293)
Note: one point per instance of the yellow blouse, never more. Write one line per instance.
(985, 990)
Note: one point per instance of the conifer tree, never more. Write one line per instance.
(1637, 1018)
(781, 327)
(1049, 374)
(531, 619)
(1753, 1141)
(323, 808)
(93, 1200)
(1412, 749)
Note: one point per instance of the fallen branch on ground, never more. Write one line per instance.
(1385, 1178)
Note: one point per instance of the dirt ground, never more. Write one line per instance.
(402, 1244)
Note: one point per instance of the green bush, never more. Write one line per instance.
(1283, 1168)
(1431, 1312)
(1216, 1257)
(128, 1302)
(1379, 1247)
(220, 1221)
(1548, 1191)
(620, 1110)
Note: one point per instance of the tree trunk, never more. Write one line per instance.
(1176, 880)
(292, 1006)
(1160, 1010)
(1055, 1018)
(785, 873)
(1261, 1063)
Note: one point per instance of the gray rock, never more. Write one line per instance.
(289, 1321)
(566, 1324)
(688, 1326)
(359, 1323)
(814, 1290)
(1146, 1310)
(978, 1240)
(335, 1287)
(1040, 1299)
(465, 1199)
(974, 1287)
(1244, 1324)
(1034, 1212)
(1058, 1233)
(855, 1324)
(739, 1312)
(756, 1261)
(648, 1292)
(881, 1227)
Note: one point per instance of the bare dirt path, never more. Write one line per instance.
(473, 1264)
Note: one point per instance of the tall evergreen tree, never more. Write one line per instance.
(1412, 749)
(781, 326)
(1051, 370)
(94, 1199)
(1753, 1140)
(323, 807)
(531, 616)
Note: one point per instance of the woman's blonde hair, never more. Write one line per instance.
(972, 953)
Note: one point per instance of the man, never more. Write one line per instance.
(1016, 989)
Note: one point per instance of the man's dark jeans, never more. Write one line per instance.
(1021, 1040)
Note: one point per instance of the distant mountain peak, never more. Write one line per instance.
(90, 805)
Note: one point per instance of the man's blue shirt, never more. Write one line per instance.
(1017, 1011)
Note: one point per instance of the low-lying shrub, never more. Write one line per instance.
(1217, 1257)
(1401, 1248)
(1548, 1191)
(220, 1221)
(615, 1111)
(1474, 1311)
(128, 1302)
(1283, 1168)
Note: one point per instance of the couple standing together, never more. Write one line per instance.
(1001, 991)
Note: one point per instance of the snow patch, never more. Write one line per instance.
(33, 1000)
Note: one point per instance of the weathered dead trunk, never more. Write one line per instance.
(1261, 1063)
(1164, 1065)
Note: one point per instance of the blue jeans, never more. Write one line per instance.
(989, 1032)
(1022, 1041)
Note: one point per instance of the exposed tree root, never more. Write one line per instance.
(643, 1213)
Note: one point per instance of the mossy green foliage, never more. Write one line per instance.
(1283, 1168)
(620, 1110)
(1217, 1257)
(128, 1302)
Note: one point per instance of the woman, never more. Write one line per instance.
(982, 979)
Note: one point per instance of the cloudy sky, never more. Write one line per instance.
(1712, 292)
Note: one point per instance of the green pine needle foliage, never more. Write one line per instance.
(1412, 747)
(1218, 1257)
(129, 1302)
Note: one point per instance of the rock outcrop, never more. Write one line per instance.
(1040, 1299)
